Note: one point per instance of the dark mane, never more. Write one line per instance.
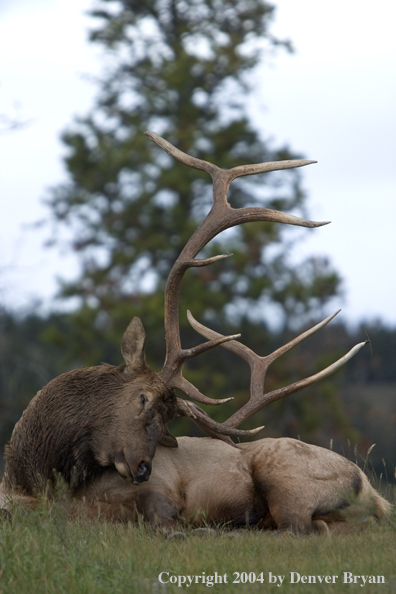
(54, 433)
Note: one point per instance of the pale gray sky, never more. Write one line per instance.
(334, 100)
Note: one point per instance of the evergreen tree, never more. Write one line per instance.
(182, 68)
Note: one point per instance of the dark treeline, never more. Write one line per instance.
(349, 411)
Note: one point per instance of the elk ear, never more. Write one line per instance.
(132, 345)
(168, 440)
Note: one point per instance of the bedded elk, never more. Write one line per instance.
(281, 484)
(96, 425)
(276, 484)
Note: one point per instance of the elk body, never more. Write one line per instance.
(101, 425)
(281, 484)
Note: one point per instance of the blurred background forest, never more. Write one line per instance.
(183, 69)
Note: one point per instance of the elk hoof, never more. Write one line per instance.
(176, 536)
(321, 527)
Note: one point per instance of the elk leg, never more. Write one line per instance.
(158, 510)
(321, 527)
(289, 505)
(290, 516)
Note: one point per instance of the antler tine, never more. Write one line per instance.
(203, 420)
(182, 157)
(222, 216)
(242, 170)
(253, 406)
(259, 365)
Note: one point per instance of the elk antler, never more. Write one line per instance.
(221, 216)
(259, 365)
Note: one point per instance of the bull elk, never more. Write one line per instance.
(100, 425)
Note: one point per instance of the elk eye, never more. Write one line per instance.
(143, 400)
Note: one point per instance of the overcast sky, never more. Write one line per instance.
(334, 100)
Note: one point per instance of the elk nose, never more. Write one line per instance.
(143, 473)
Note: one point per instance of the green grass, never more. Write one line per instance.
(43, 552)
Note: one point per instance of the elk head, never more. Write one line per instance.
(139, 415)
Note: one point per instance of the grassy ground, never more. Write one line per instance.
(43, 552)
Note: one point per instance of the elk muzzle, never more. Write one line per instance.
(130, 469)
